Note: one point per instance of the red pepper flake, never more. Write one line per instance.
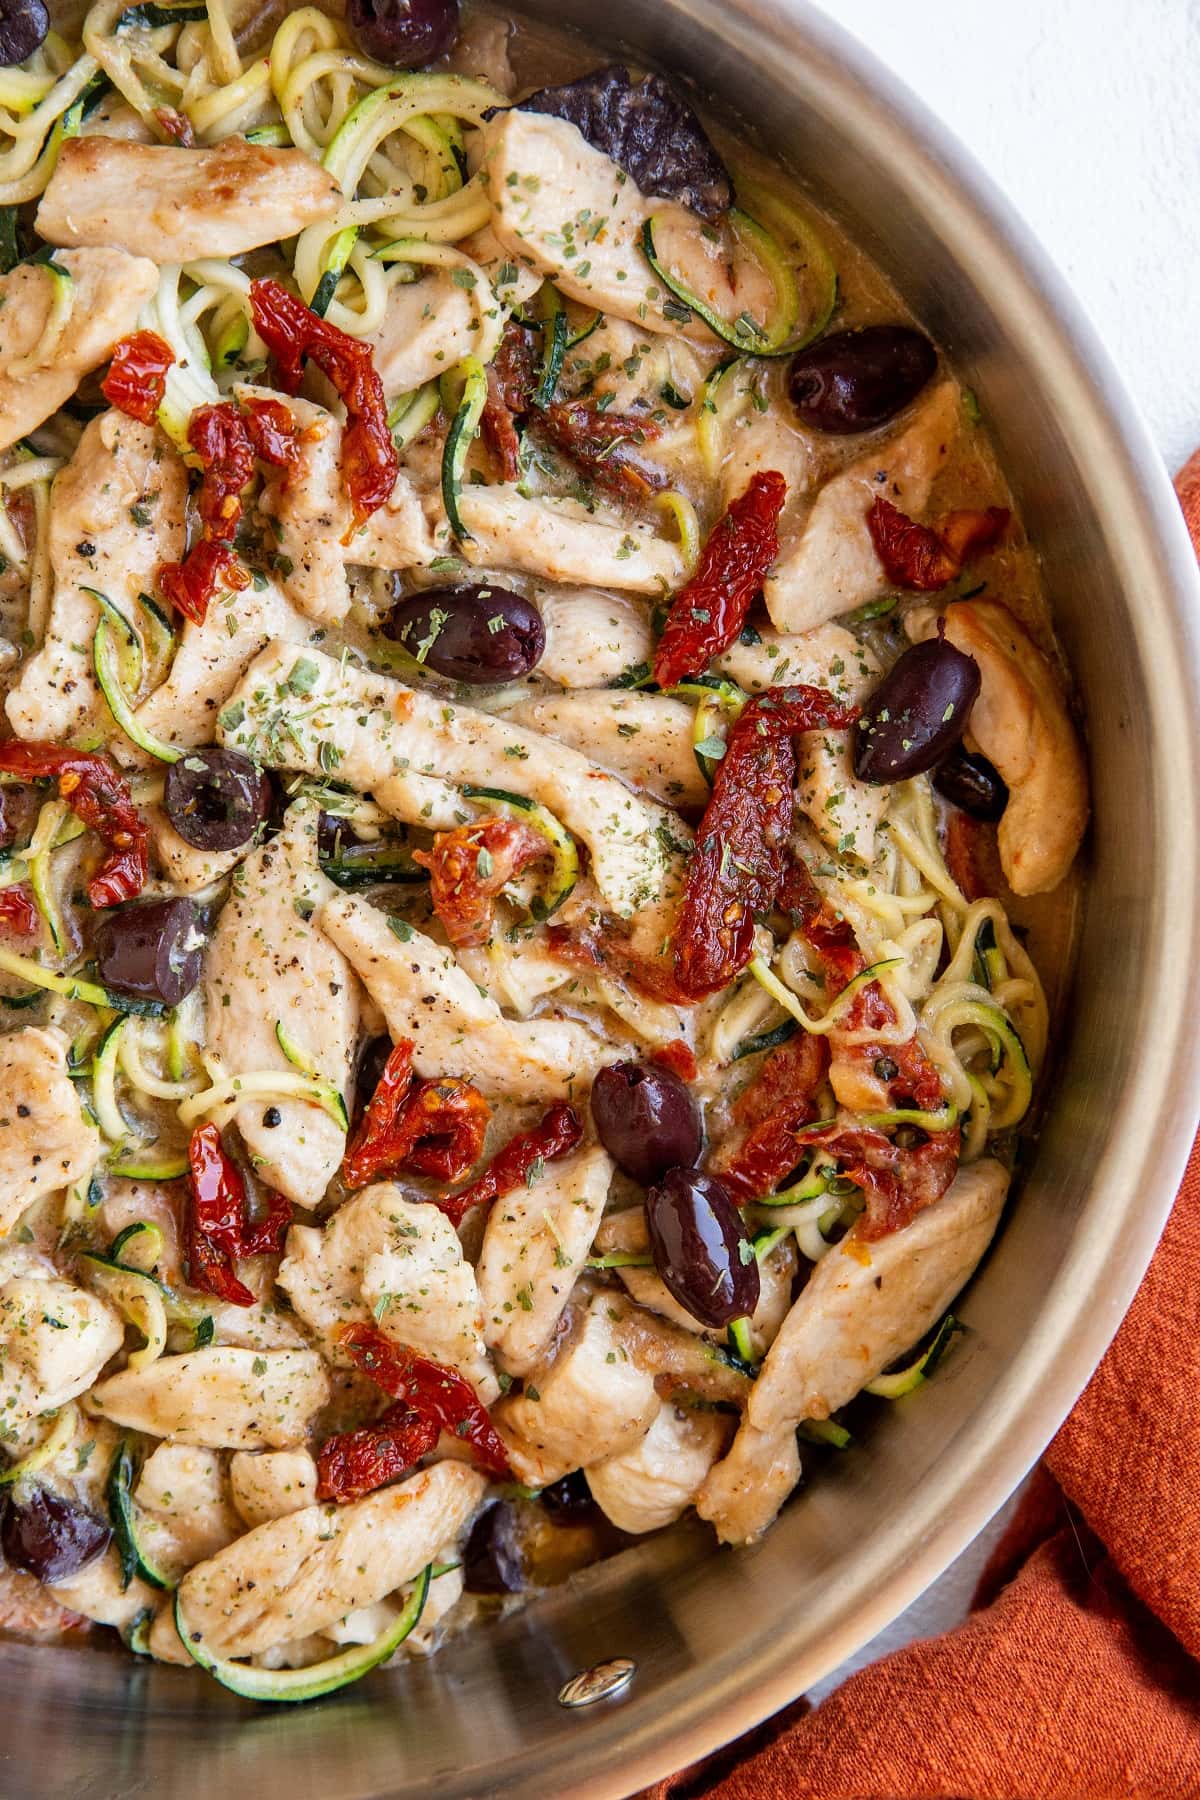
(291, 333)
(353, 1463)
(434, 1127)
(709, 610)
(17, 909)
(98, 796)
(430, 1389)
(918, 557)
(737, 865)
(605, 446)
(468, 867)
(218, 1229)
(519, 1162)
(137, 380)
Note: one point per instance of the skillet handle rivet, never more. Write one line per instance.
(602, 1682)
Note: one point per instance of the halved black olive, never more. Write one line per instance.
(917, 714)
(649, 130)
(403, 33)
(216, 799)
(478, 634)
(151, 948)
(647, 1119)
(23, 27)
(701, 1247)
(858, 380)
(970, 783)
(51, 1537)
(492, 1560)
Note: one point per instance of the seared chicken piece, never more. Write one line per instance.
(46, 1142)
(107, 291)
(269, 1484)
(864, 1305)
(652, 1484)
(646, 739)
(175, 205)
(398, 1262)
(184, 1510)
(832, 567)
(1021, 724)
(220, 1398)
(564, 208)
(304, 1572)
(455, 1030)
(537, 1241)
(427, 327)
(116, 514)
(380, 731)
(561, 541)
(54, 1340)
(592, 1402)
(268, 964)
(593, 637)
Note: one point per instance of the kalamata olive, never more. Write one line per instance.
(23, 27)
(970, 783)
(51, 1537)
(917, 714)
(151, 948)
(370, 1067)
(701, 1247)
(568, 1501)
(216, 799)
(335, 836)
(856, 380)
(492, 1560)
(403, 33)
(649, 130)
(479, 634)
(646, 1119)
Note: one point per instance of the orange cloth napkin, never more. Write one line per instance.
(1077, 1674)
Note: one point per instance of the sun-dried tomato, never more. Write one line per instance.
(773, 1108)
(710, 609)
(137, 379)
(918, 557)
(433, 1127)
(515, 366)
(272, 431)
(737, 864)
(218, 1229)
(520, 1161)
(209, 569)
(679, 1057)
(291, 333)
(353, 1463)
(176, 127)
(898, 1181)
(468, 867)
(606, 947)
(606, 446)
(972, 857)
(17, 909)
(98, 796)
(428, 1388)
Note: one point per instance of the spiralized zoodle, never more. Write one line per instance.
(532, 760)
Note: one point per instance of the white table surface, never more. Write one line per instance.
(1085, 112)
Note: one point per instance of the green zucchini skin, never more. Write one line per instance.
(290, 1686)
(119, 1494)
(459, 438)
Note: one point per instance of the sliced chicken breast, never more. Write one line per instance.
(46, 1142)
(174, 205)
(220, 1398)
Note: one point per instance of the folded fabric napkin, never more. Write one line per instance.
(1077, 1674)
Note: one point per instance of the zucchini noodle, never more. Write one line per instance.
(34, 473)
(145, 1035)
